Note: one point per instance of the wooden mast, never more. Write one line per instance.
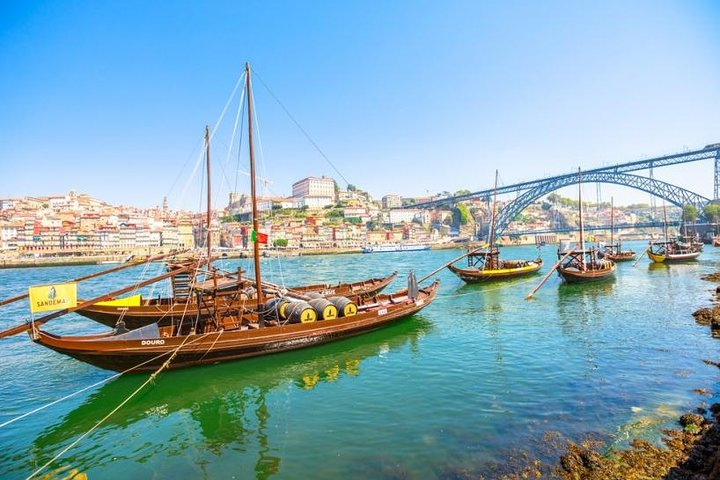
(209, 211)
(492, 225)
(612, 224)
(253, 195)
(665, 225)
(582, 235)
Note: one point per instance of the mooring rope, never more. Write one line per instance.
(66, 397)
(94, 427)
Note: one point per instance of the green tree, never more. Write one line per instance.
(335, 213)
(463, 192)
(280, 242)
(461, 214)
(712, 212)
(690, 213)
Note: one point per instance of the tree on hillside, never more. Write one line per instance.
(689, 213)
(461, 214)
(712, 212)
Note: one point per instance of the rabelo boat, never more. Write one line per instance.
(483, 266)
(613, 251)
(583, 265)
(277, 325)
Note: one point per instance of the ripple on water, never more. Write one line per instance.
(480, 373)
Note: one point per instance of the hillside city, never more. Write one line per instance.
(317, 216)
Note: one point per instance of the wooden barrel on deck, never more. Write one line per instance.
(345, 306)
(298, 312)
(325, 309)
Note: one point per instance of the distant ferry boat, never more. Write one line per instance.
(394, 247)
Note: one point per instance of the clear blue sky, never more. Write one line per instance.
(110, 97)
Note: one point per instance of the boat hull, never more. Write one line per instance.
(625, 256)
(573, 275)
(673, 257)
(165, 311)
(479, 276)
(149, 354)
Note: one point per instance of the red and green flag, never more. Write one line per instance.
(259, 237)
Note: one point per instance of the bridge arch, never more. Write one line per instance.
(671, 193)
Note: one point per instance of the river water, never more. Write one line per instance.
(477, 378)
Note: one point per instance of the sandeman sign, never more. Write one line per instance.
(52, 297)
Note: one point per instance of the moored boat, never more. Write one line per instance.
(613, 251)
(486, 265)
(394, 247)
(136, 312)
(583, 265)
(232, 337)
(671, 251)
(263, 327)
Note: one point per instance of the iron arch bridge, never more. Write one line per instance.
(671, 193)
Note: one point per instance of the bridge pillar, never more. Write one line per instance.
(717, 176)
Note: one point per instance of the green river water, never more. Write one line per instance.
(478, 377)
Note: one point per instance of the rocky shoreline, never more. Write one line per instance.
(691, 452)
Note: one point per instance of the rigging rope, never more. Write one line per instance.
(94, 427)
(297, 124)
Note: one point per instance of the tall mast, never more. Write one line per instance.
(253, 195)
(582, 233)
(209, 211)
(665, 226)
(612, 222)
(494, 216)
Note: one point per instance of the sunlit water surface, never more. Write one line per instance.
(476, 376)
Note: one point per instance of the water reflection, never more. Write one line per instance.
(226, 404)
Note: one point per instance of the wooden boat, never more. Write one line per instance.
(486, 265)
(583, 265)
(716, 241)
(137, 312)
(234, 337)
(613, 251)
(671, 251)
(274, 326)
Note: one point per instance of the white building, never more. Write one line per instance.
(391, 201)
(407, 216)
(315, 187)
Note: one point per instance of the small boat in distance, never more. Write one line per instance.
(394, 247)
(486, 265)
(613, 251)
(672, 251)
(583, 265)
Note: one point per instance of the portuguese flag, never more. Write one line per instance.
(258, 237)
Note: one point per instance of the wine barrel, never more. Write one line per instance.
(275, 306)
(313, 295)
(345, 307)
(325, 310)
(298, 312)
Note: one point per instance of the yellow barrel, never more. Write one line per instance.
(275, 307)
(325, 310)
(298, 312)
(345, 307)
